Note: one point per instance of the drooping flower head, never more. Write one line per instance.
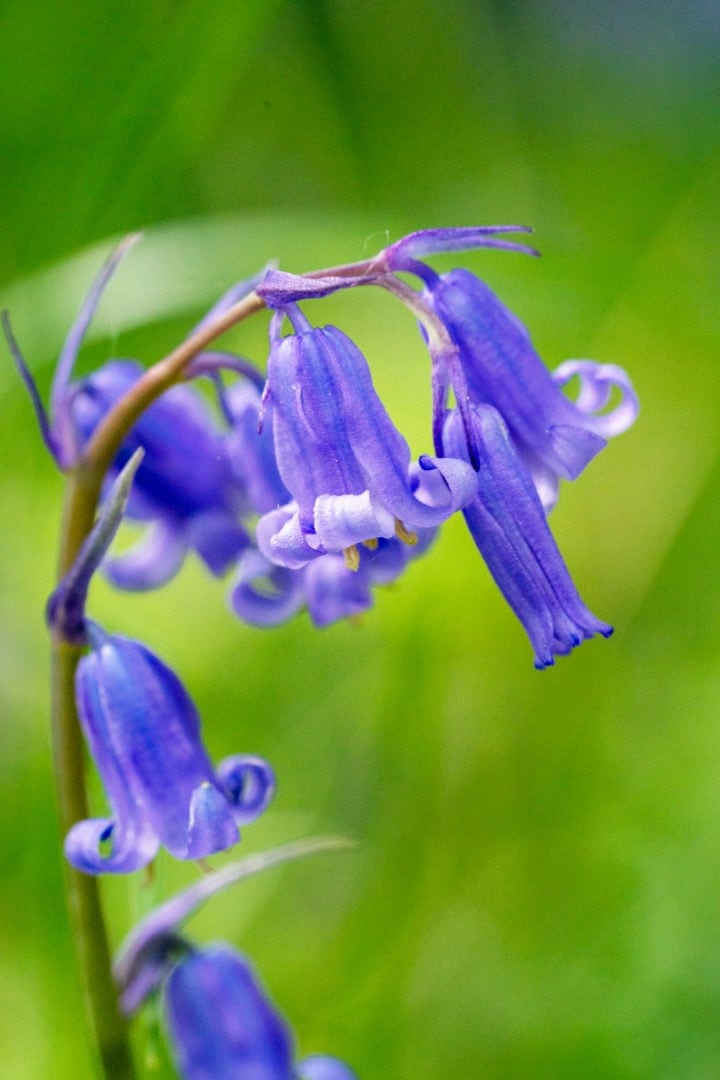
(143, 732)
(556, 437)
(265, 593)
(511, 421)
(339, 455)
(508, 524)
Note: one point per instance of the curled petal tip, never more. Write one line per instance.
(249, 783)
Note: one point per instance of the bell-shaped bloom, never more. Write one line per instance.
(185, 489)
(221, 1023)
(265, 593)
(339, 455)
(509, 527)
(557, 437)
(143, 732)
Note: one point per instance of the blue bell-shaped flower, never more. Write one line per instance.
(510, 529)
(185, 489)
(339, 455)
(143, 732)
(555, 436)
(222, 1024)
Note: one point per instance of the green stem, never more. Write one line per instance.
(82, 495)
(81, 502)
(82, 890)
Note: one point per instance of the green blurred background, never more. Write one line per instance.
(536, 891)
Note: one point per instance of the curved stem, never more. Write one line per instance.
(83, 491)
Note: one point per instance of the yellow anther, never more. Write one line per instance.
(404, 534)
(370, 544)
(351, 556)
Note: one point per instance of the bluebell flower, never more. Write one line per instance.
(508, 524)
(184, 490)
(556, 437)
(345, 465)
(143, 732)
(222, 1024)
(265, 593)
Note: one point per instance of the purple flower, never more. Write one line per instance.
(185, 489)
(340, 457)
(556, 437)
(266, 594)
(508, 524)
(222, 1024)
(143, 733)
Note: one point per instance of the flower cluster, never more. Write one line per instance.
(511, 427)
(298, 483)
(308, 491)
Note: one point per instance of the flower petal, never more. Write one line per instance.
(281, 539)
(509, 527)
(210, 828)
(333, 592)
(249, 783)
(597, 382)
(217, 538)
(265, 594)
(133, 846)
(343, 520)
(152, 562)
